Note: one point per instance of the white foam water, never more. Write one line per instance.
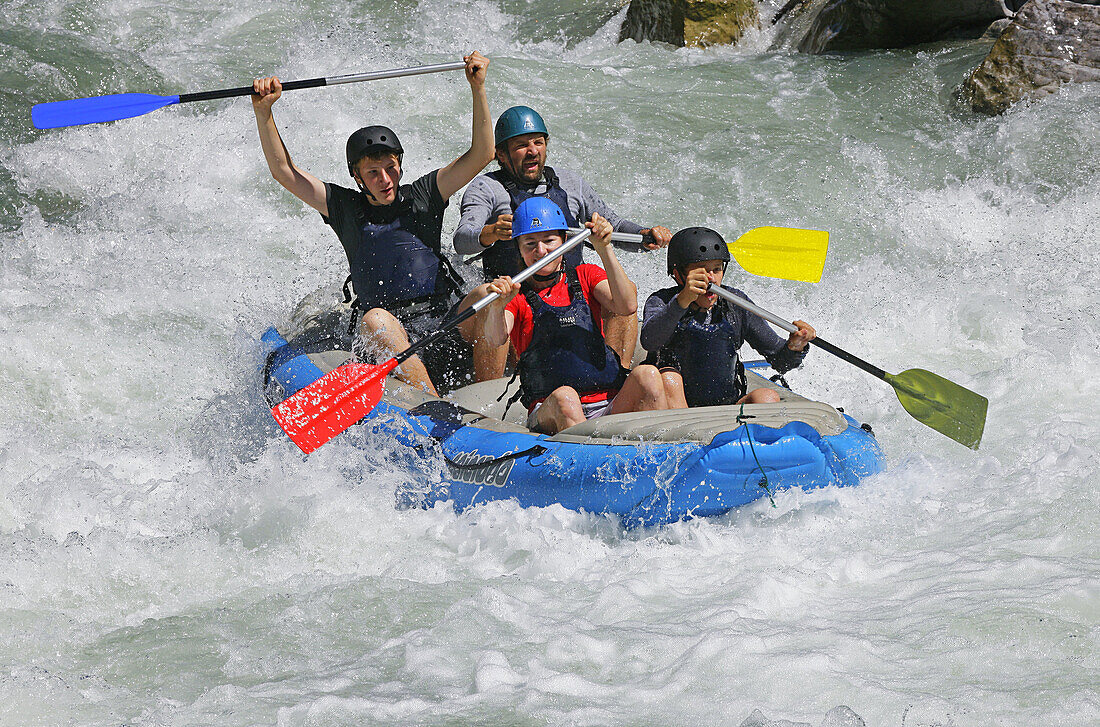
(168, 558)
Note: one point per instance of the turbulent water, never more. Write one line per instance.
(167, 557)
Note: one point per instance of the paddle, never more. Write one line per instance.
(348, 393)
(771, 252)
(98, 109)
(930, 399)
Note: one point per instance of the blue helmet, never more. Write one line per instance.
(517, 121)
(537, 214)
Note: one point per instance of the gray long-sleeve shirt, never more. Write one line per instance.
(486, 199)
(662, 315)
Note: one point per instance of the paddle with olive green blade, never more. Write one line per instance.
(99, 109)
(932, 400)
(348, 393)
(771, 252)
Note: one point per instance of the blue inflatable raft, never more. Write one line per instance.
(646, 468)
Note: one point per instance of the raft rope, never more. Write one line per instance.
(534, 451)
(742, 418)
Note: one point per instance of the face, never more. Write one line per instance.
(715, 271)
(534, 246)
(380, 177)
(523, 156)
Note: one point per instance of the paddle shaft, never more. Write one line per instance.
(623, 238)
(790, 328)
(330, 81)
(484, 302)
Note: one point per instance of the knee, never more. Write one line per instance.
(377, 319)
(765, 396)
(648, 378)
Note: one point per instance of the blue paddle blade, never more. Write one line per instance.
(97, 109)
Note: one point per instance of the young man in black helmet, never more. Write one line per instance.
(693, 336)
(389, 231)
(522, 140)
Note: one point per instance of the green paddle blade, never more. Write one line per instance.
(941, 404)
(782, 252)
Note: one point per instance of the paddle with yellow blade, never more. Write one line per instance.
(930, 399)
(771, 252)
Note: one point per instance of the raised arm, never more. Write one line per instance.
(303, 185)
(617, 294)
(458, 173)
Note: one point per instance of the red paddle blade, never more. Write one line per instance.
(332, 403)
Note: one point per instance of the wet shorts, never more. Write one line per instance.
(449, 361)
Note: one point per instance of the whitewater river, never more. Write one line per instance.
(168, 558)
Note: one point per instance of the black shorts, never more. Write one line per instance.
(450, 360)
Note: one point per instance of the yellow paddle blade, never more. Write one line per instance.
(782, 252)
(941, 404)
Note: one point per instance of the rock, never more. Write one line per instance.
(993, 32)
(844, 25)
(689, 22)
(1049, 43)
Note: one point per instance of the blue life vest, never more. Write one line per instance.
(503, 258)
(705, 354)
(566, 348)
(394, 268)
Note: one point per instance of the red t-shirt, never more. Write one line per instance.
(558, 295)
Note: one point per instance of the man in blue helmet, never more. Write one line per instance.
(521, 140)
(567, 371)
(391, 232)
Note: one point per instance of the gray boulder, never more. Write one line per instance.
(846, 25)
(689, 22)
(1049, 43)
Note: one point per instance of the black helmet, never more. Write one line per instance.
(371, 139)
(694, 245)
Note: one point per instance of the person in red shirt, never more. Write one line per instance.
(567, 371)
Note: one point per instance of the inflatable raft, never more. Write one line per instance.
(646, 468)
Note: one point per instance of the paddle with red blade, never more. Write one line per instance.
(348, 393)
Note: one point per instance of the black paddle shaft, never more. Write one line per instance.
(854, 360)
(247, 90)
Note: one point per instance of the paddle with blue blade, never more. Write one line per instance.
(932, 400)
(788, 253)
(100, 109)
(348, 393)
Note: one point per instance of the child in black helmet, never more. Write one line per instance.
(693, 336)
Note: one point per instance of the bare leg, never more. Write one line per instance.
(674, 389)
(644, 390)
(489, 360)
(763, 395)
(621, 333)
(385, 332)
(561, 410)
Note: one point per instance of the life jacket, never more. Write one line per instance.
(705, 354)
(566, 348)
(503, 258)
(394, 269)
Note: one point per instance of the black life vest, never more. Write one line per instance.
(394, 268)
(705, 354)
(503, 258)
(566, 348)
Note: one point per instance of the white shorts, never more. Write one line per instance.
(591, 409)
